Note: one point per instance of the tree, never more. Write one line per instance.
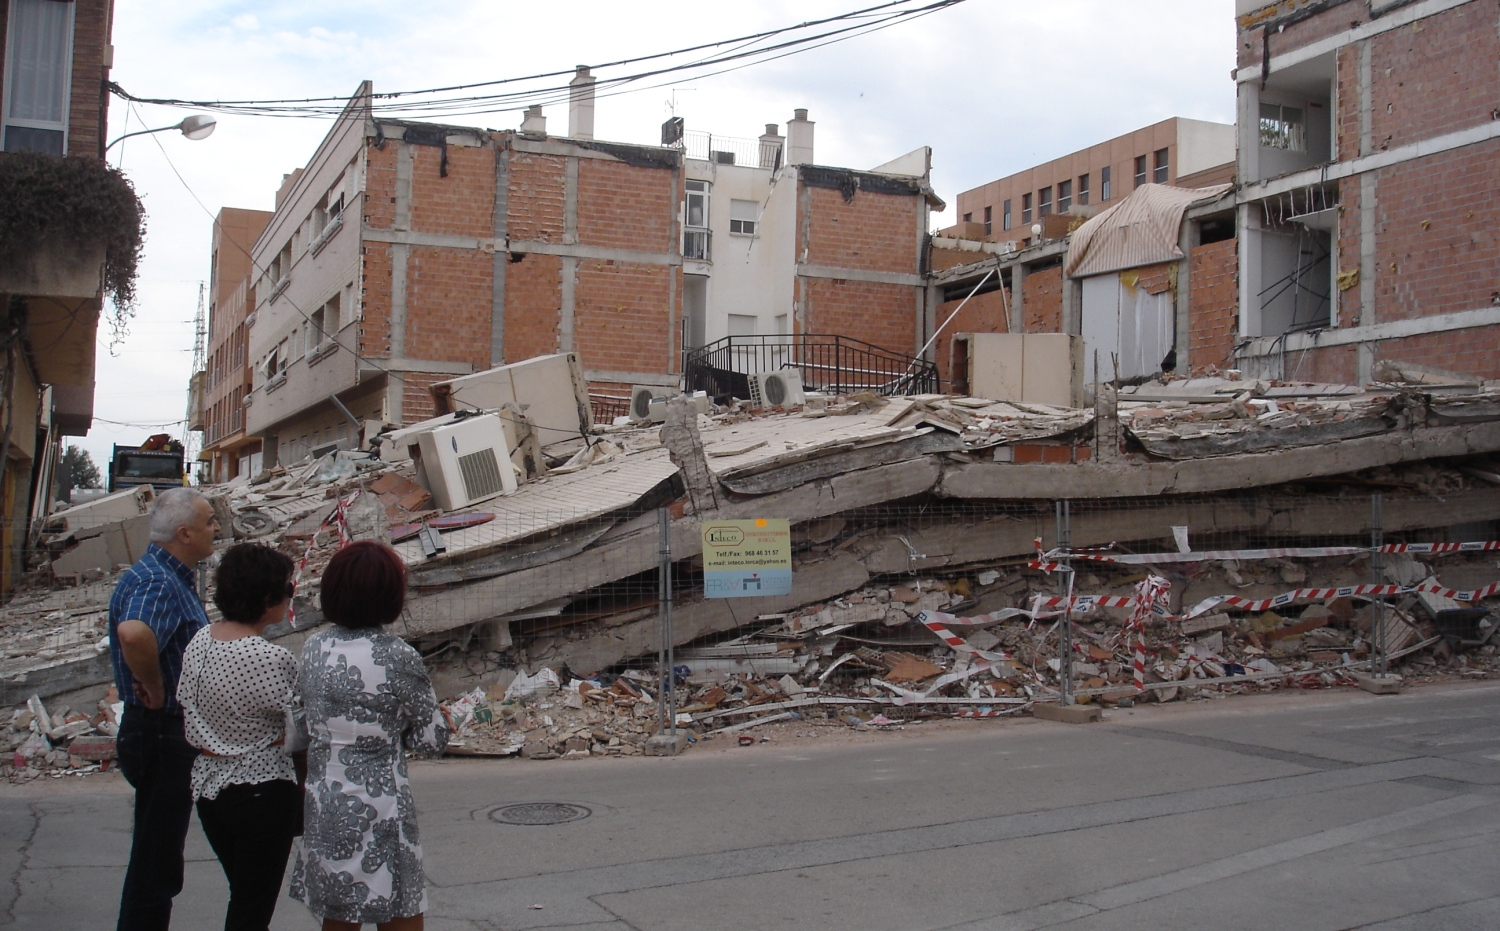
(78, 470)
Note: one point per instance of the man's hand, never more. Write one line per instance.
(151, 699)
(138, 645)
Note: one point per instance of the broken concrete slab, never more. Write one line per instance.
(1067, 714)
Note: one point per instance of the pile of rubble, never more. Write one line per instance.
(59, 743)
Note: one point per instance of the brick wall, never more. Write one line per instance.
(380, 186)
(1213, 301)
(882, 314)
(375, 301)
(88, 102)
(1332, 365)
(417, 403)
(1042, 303)
(624, 207)
(536, 197)
(1465, 352)
(463, 203)
(1437, 249)
(450, 291)
(1435, 76)
(533, 303)
(622, 317)
(1296, 35)
(985, 313)
(872, 232)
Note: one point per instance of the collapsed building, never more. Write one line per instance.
(923, 528)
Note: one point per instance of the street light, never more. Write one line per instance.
(195, 127)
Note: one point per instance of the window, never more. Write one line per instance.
(1160, 175)
(1083, 190)
(1104, 183)
(781, 324)
(1044, 202)
(38, 76)
(741, 325)
(1025, 208)
(968, 218)
(1282, 128)
(1064, 196)
(325, 321)
(989, 220)
(742, 215)
(696, 215)
(1005, 216)
(695, 221)
(1140, 170)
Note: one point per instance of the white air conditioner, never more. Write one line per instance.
(782, 388)
(467, 461)
(641, 397)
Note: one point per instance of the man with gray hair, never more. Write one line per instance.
(153, 614)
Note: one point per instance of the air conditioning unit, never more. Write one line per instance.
(467, 461)
(782, 388)
(641, 397)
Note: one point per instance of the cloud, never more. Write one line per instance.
(246, 21)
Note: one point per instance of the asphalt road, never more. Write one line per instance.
(1332, 810)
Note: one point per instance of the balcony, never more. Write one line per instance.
(832, 364)
(696, 245)
(729, 150)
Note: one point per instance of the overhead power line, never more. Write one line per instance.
(459, 99)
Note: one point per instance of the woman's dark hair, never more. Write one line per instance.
(364, 586)
(250, 579)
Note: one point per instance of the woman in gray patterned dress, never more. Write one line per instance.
(368, 701)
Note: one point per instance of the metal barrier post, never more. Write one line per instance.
(1065, 589)
(1378, 659)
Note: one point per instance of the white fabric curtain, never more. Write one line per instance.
(38, 78)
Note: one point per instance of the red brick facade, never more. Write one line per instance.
(1435, 248)
(985, 313)
(1042, 300)
(1214, 305)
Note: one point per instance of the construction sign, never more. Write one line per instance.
(747, 558)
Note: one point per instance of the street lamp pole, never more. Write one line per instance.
(194, 127)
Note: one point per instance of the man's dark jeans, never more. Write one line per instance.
(157, 761)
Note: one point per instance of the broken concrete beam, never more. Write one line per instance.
(1147, 479)
(1192, 627)
(811, 582)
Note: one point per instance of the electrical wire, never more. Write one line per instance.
(746, 51)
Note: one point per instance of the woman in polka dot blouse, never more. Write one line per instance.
(235, 691)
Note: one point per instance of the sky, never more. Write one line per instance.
(993, 86)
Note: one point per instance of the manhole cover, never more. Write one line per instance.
(540, 813)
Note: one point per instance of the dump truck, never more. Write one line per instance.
(158, 462)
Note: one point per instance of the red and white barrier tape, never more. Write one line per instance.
(936, 622)
(1153, 593)
(1047, 562)
(339, 517)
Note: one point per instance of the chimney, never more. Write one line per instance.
(533, 123)
(799, 139)
(581, 105)
(771, 155)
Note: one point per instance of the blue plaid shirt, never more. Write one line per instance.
(159, 592)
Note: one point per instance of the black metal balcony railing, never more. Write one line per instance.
(831, 364)
(696, 244)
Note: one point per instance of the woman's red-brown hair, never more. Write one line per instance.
(364, 586)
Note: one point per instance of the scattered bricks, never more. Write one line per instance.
(92, 748)
(385, 483)
(416, 501)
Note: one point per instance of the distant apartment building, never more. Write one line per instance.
(1019, 281)
(228, 450)
(777, 245)
(1369, 148)
(408, 253)
(1177, 151)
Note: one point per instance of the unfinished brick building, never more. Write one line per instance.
(1369, 145)
(471, 248)
(227, 449)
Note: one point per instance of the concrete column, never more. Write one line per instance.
(1365, 358)
(570, 201)
(400, 256)
(1249, 250)
(565, 316)
(1018, 299)
(1183, 303)
(405, 160)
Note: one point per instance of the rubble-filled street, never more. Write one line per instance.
(1298, 810)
